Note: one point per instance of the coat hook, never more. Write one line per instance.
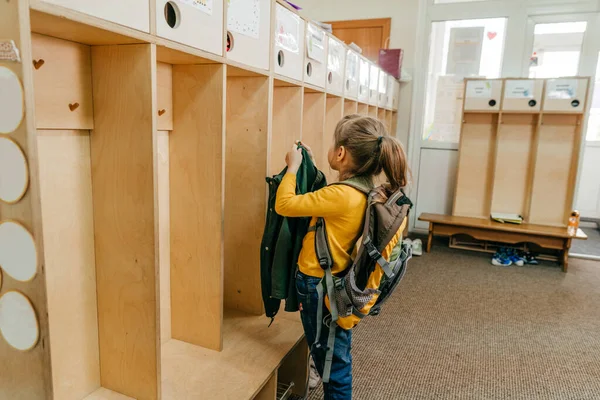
(73, 106)
(161, 112)
(37, 64)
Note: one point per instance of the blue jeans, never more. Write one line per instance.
(340, 382)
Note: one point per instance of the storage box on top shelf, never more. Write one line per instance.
(374, 71)
(382, 90)
(131, 13)
(288, 47)
(336, 62)
(193, 23)
(249, 32)
(523, 95)
(315, 58)
(351, 75)
(483, 95)
(363, 79)
(565, 95)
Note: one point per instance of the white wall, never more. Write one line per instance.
(403, 35)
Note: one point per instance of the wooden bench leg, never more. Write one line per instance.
(565, 255)
(430, 239)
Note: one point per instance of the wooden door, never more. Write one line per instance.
(370, 35)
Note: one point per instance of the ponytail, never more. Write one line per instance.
(373, 151)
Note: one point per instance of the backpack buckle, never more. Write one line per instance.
(371, 249)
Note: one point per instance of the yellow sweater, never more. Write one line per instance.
(343, 209)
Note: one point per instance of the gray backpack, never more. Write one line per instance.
(348, 294)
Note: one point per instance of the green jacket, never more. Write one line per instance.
(282, 241)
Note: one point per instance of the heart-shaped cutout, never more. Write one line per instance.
(161, 112)
(73, 106)
(37, 64)
(492, 35)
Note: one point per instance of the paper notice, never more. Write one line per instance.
(315, 43)
(335, 56)
(287, 34)
(206, 6)
(519, 89)
(351, 65)
(479, 89)
(562, 89)
(243, 17)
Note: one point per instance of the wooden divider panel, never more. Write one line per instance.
(554, 171)
(350, 107)
(164, 233)
(287, 124)
(66, 189)
(512, 177)
(196, 171)
(313, 123)
(122, 152)
(245, 200)
(164, 92)
(475, 166)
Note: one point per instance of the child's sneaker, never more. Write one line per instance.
(501, 259)
(530, 259)
(515, 258)
(417, 247)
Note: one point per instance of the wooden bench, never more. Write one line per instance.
(547, 237)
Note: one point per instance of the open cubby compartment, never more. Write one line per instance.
(288, 47)
(131, 13)
(372, 111)
(315, 57)
(476, 161)
(351, 72)
(382, 89)
(382, 116)
(313, 121)
(394, 123)
(566, 95)
(389, 122)
(350, 107)
(249, 32)
(288, 101)
(362, 109)
(374, 72)
(336, 66)
(522, 95)
(95, 137)
(392, 89)
(334, 112)
(514, 159)
(364, 71)
(198, 24)
(483, 95)
(555, 167)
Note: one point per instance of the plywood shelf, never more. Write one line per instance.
(253, 351)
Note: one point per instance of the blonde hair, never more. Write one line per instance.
(373, 151)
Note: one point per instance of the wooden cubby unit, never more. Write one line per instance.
(372, 111)
(381, 115)
(148, 149)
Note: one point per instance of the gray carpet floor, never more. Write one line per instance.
(460, 328)
(591, 246)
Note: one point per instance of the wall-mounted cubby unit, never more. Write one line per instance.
(315, 59)
(249, 32)
(515, 152)
(288, 47)
(194, 23)
(374, 84)
(351, 75)
(140, 136)
(336, 66)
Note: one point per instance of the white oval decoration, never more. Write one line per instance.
(14, 172)
(18, 322)
(18, 255)
(12, 104)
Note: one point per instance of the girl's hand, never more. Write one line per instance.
(309, 151)
(293, 159)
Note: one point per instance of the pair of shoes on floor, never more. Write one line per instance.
(505, 257)
(417, 246)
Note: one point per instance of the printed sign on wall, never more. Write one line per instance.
(287, 34)
(562, 89)
(479, 89)
(206, 6)
(243, 17)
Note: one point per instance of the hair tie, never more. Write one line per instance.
(379, 140)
